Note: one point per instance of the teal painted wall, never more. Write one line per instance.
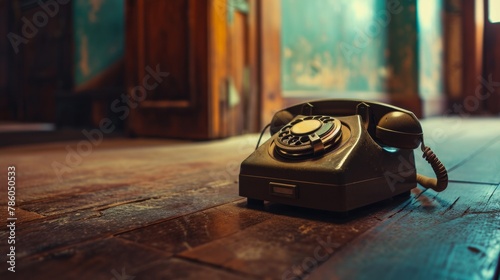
(333, 45)
(430, 46)
(361, 48)
(99, 37)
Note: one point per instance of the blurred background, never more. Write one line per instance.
(207, 69)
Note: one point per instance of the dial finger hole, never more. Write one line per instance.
(293, 140)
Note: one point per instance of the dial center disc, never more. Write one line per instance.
(306, 127)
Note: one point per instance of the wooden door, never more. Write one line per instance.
(241, 81)
(167, 39)
(35, 56)
(6, 112)
(191, 71)
(491, 70)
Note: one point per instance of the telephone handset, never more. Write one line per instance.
(338, 155)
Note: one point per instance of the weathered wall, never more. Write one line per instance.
(361, 48)
(99, 34)
(333, 45)
(430, 45)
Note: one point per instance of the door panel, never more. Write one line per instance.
(5, 110)
(35, 56)
(491, 63)
(210, 56)
(234, 47)
(237, 93)
(169, 47)
(168, 37)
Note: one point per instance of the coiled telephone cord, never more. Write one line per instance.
(441, 182)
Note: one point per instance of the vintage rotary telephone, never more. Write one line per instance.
(338, 155)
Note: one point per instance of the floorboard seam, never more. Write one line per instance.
(475, 153)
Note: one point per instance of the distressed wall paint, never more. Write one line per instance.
(359, 48)
(333, 45)
(99, 36)
(430, 45)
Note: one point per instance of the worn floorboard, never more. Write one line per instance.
(166, 209)
(454, 234)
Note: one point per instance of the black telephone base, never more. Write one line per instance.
(353, 173)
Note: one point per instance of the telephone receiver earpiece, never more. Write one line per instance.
(399, 130)
(402, 130)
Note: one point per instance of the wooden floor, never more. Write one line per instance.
(159, 209)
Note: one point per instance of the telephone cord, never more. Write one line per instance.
(441, 182)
